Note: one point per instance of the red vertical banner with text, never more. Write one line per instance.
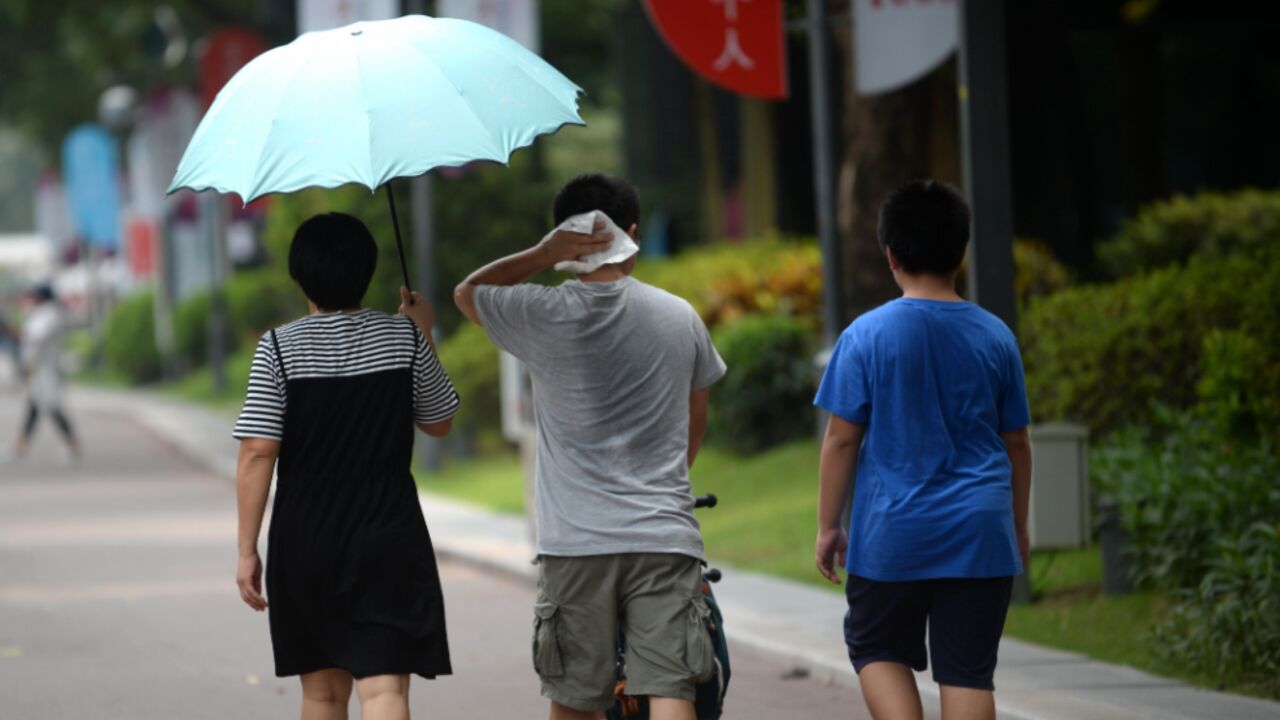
(736, 44)
(225, 52)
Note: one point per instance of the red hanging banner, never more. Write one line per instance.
(225, 53)
(736, 44)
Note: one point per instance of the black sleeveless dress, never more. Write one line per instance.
(351, 575)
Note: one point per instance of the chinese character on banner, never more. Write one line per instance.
(736, 44)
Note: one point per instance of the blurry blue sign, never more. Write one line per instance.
(91, 176)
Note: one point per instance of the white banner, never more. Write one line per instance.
(316, 15)
(898, 41)
(517, 19)
(155, 147)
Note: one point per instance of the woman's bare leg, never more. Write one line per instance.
(384, 697)
(325, 694)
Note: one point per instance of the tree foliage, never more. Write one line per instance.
(59, 55)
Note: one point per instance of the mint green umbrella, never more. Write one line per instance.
(371, 102)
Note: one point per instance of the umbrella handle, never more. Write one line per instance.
(395, 222)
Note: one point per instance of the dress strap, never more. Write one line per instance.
(279, 356)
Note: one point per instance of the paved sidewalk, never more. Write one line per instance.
(794, 623)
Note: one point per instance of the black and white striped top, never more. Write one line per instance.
(342, 345)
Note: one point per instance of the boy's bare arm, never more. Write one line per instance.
(514, 269)
(697, 421)
(840, 449)
(1018, 445)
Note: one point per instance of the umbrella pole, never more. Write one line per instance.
(395, 222)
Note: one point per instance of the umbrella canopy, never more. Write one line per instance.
(374, 101)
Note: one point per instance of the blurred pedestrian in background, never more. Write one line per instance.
(40, 365)
(10, 347)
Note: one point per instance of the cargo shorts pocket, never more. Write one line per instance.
(546, 640)
(700, 653)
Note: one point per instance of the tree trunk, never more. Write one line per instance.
(887, 140)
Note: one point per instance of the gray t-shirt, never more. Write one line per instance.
(613, 365)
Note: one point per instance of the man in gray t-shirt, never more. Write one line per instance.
(621, 372)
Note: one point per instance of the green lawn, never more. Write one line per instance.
(495, 482)
(765, 522)
(197, 385)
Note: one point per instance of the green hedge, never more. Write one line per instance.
(1103, 354)
(258, 300)
(472, 363)
(1208, 225)
(764, 397)
(130, 341)
(191, 331)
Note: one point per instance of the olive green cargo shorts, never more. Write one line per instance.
(656, 597)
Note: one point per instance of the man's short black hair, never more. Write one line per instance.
(618, 199)
(926, 225)
(332, 258)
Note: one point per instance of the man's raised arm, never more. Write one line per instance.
(514, 269)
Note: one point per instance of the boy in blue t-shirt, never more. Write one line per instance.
(927, 402)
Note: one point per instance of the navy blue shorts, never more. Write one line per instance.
(965, 618)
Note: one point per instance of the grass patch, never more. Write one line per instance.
(197, 386)
(496, 482)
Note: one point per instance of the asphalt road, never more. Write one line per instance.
(117, 601)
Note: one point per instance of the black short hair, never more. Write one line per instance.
(926, 225)
(618, 199)
(332, 258)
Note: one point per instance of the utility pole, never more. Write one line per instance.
(984, 132)
(423, 239)
(824, 151)
(984, 129)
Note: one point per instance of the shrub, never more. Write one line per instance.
(191, 331)
(1103, 354)
(726, 282)
(1036, 271)
(762, 400)
(1180, 486)
(472, 363)
(259, 300)
(1203, 514)
(1228, 625)
(1212, 225)
(130, 341)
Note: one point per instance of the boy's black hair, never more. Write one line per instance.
(926, 225)
(618, 199)
(332, 258)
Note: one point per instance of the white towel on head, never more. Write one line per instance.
(622, 248)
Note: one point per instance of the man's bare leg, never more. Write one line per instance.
(960, 703)
(661, 708)
(890, 691)
(325, 694)
(564, 712)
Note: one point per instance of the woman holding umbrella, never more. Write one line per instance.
(334, 397)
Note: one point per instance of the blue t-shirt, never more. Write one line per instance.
(935, 383)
